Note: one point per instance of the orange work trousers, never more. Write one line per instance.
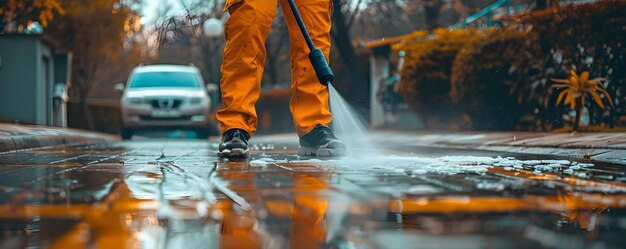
(244, 59)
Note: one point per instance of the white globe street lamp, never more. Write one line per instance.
(213, 27)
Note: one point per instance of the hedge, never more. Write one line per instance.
(500, 78)
(425, 83)
(490, 79)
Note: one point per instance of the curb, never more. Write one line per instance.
(41, 136)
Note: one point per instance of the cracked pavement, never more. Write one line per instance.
(177, 194)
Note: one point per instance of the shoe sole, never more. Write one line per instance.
(320, 152)
(234, 153)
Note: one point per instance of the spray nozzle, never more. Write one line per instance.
(322, 70)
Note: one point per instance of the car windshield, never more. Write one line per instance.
(165, 79)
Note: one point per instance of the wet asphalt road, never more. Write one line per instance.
(177, 194)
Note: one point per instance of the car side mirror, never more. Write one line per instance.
(119, 87)
(212, 88)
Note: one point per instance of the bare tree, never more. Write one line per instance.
(95, 32)
(352, 77)
(386, 18)
(182, 40)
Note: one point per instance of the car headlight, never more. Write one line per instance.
(135, 101)
(195, 100)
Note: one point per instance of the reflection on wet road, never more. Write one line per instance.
(177, 194)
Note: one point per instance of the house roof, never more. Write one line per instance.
(54, 44)
(384, 41)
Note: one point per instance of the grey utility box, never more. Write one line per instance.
(34, 77)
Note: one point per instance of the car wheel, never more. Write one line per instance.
(126, 134)
(203, 133)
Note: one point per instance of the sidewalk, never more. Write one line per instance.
(602, 147)
(597, 146)
(18, 137)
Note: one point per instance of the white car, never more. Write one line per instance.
(165, 97)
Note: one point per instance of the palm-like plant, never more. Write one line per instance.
(576, 88)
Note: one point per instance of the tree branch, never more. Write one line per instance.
(352, 16)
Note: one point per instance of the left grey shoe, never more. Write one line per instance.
(234, 144)
(321, 142)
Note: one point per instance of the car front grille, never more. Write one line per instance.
(166, 103)
(150, 118)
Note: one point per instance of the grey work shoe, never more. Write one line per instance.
(321, 142)
(234, 144)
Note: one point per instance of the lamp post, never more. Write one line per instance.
(213, 29)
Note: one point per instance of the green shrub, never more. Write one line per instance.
(490, 79)
(425, 83)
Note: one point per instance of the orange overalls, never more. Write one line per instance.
(244, 59)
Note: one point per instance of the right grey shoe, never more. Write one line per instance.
(321, 142)
(234, 144)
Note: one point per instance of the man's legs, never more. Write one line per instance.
(242, 69)
(309, 99)
(244, 58)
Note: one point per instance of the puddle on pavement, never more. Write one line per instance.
(178, 195)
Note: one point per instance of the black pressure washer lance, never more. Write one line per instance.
(316, 56)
